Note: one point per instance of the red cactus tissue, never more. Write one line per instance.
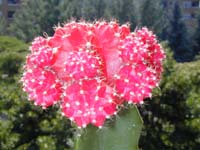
(91, 68)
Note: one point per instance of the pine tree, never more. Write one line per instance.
(85, 9)
(100, 5)
(179, 36)
(2, 26)
(196, 45)
(126, 14)
(152, 15)
(125, 11)
(171, 117)
(93, 9)
(33, 18)
(166, 15)
(24, 126)
(70, 9)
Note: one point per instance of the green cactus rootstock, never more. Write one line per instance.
(119, 133)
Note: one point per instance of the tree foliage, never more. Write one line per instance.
(40, 16)
(2, 26)
(196, 37)
(179, 38)
(33, 18)
(172, 116)
(23, 125)
(123, 11)
(126, 11)
(152, 15)
(12, 53)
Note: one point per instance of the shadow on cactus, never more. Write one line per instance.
(97, 73)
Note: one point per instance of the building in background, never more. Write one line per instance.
(190, 11)
(8, 8)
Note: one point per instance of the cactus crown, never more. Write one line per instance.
(91, 68)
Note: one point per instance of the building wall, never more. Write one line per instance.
(191, 10)
(8, 8)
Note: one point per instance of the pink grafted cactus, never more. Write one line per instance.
(42, 85)
(91, 68)
(89, 101)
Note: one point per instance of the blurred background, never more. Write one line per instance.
(171, 117)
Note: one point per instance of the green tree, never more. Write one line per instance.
(179, 38)
(152, 15)
(33, 18)
(167, 15)
(171, 117)
(100, 5)
(125, 11)
(23, 125)
(12, 54)
(2, 26)
(40, 16)
(196, 44)
(128, 13)
(70, 9)
(93, 9)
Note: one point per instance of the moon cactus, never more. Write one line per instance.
(91, 69)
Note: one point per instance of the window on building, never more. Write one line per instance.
(10, 14)
(12, 1)
(193, 15)
(195, 4)
(187, 16)
(171, 3)
(187, 4)
(1, 13)
(164, 4)
(0, 2)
